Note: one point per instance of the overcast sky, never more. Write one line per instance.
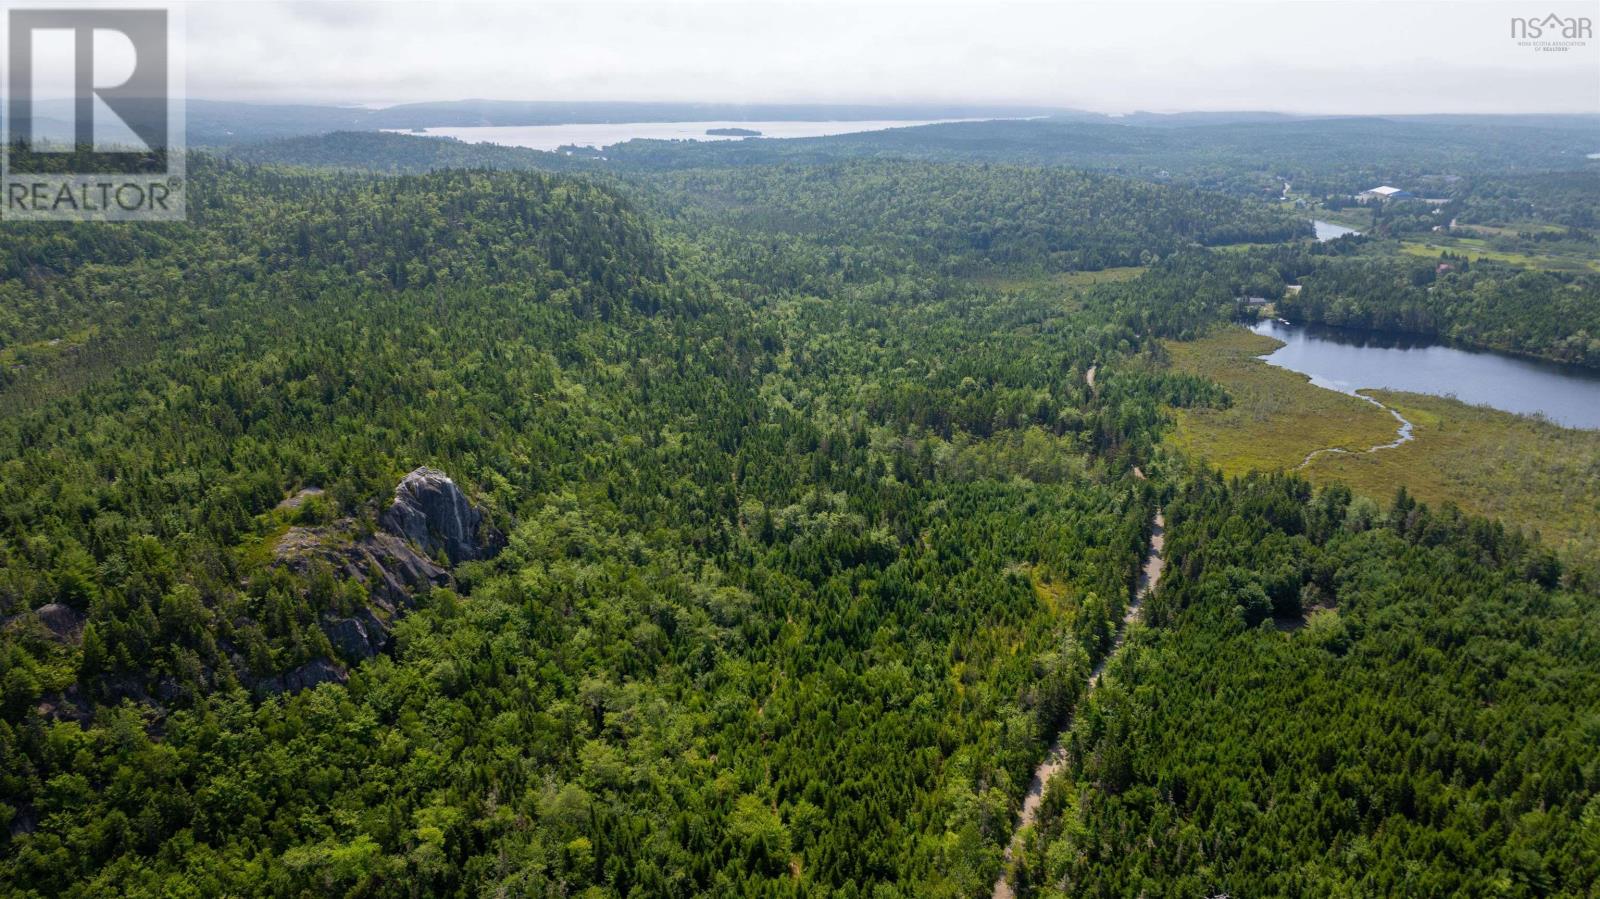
(1312, 56)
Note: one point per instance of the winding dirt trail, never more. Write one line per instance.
(1056, 758)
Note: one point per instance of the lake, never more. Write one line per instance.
(1349, 360)
(605, 134)
(1328, 230)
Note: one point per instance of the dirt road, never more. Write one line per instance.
(1056, 758)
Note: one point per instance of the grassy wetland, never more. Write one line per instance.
(1524, 471)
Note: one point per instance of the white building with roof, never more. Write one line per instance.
(1386, 193)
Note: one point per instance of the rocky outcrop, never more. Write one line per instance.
(358, 637)
(429, 518)
(431, 512)
(317, 671)
(300, 498)
(62, 621)
(393, 571)
(52, 621)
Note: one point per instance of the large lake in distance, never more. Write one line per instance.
(605, 134)
(1348, 360)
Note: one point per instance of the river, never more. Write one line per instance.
(1348, 360)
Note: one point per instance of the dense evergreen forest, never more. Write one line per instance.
(728, 520)
(1336, 700)
(954, 218)
(1484, 303)
(813, 524)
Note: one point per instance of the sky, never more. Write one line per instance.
(1303, 56)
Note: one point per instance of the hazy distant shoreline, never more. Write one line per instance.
(553, 137)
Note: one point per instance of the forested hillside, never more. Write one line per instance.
(814, 525)
(208, 373)
(728, 521)
(954, 218)
(1532, 166)
(961, 218)
(389, 153)
(1482, 303)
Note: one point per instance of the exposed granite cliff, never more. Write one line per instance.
(430, 518)
(431, 511)
(393, 570)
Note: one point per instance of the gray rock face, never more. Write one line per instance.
(61, 621)
(430, 515)
(316, 671)
(392, 570)
(359, 637)
(431, 511)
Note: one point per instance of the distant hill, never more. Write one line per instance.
(388, 153)
(214, 123)
(1250, 154)
(1320, 156)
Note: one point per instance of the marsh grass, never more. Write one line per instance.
(1277, 417)
(1524, 471)
(1477, 248)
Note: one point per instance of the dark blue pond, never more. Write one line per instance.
(1347, 360)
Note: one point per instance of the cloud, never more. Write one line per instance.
(1343, 56)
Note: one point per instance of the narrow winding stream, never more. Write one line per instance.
(1402, 435)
